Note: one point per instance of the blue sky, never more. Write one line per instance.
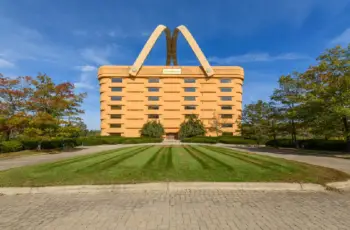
(70, 39)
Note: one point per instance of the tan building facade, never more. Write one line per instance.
(132, 95)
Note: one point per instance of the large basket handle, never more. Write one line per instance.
(171, 42)
(194, 46)
(148, 47)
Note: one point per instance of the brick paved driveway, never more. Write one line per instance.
(177, 210)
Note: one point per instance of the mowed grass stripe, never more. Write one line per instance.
(112, 161)
(263, 163)
(217, 161)
(199, 159)
(153, 158)
(169, 163)
(85, 158)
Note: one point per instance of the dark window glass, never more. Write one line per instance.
(116, 107)
(153, 98)
(153, 89)
(226, 89)
(190, 80)
(115, 125)
(116, 116)
(225, 80)
(153, 107)
(153, 116)
(226, 98)
(191, 115)
(190, 89)
(153, 80)
(115, 134)
(227, 125)
(190, 107)
(226, 107)
(226, 115)
(189, 98)
(117, 80)
(117, 89)
(116, 98)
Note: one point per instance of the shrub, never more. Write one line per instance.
(152, 129)
(237, 140)
(10, 146)
(191, 127)
(312, 144)
(102, 140)
(222, 139)
(202, 139)
(30, 144)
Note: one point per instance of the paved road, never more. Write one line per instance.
(177, 210)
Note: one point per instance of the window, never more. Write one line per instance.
(153, 107)
(227, 125)
(153, 116)
(225, 80)
(117, 80)
(116, 98)
(115, 125)
(153, 89)
(226, 98)
(190, 107)
(116, 116)
(115, 134)
(226, 115)
(226, 89)
(191, 115)
(153, 98)
(116, 107)
(153, 80)
(189, 98)
(190, 80)
(117, 89)
(190, 89)
(226, 107)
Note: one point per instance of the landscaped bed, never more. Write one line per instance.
(168, 163)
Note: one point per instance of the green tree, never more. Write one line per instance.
(328, 92)
(288, 97)
(255, 121)
(152, 129)
(191, 127)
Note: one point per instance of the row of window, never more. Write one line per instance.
(119, 116)
(156, 89)
(225, 125)
(186, 98)
(156, 107)
(156, 80)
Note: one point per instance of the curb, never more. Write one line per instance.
(171, 187)
(343, 185)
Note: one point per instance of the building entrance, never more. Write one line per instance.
(171, 136)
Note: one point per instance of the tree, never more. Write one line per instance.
(191, 127)
(152, 129)
(328, 91)
(13, 97)
(216, 124)
(288, 97)
(255, 121)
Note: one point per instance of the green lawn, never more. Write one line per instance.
(168, 163)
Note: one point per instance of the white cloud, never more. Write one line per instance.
(86, 68)
(342, 39)
(96, 55)
(256, 57)
(88, 75)
(6, 64)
